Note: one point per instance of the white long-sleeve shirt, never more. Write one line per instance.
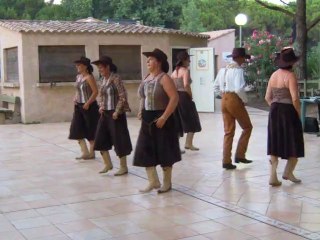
(231, 79)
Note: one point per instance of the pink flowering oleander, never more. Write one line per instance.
(262, 45)
(270, 36)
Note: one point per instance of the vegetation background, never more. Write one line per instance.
(188, 15)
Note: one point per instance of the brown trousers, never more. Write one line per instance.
(233, 109)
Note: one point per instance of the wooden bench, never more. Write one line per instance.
(9, 109)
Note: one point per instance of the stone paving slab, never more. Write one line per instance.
(46, 194)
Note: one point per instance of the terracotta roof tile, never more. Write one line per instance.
(89, 25)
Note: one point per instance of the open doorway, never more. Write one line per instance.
(202, 72)
(175, 51)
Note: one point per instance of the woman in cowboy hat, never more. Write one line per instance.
(158, 142)
(186, 111)
(112, 128)
(230, 82)
(285, 134)
(86, 115)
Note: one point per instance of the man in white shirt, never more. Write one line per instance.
(230, 83)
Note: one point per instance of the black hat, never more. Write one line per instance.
(239, 52)
(182, 56)
(287, 58)
(106, 60)
(85, 61)
(161, 57)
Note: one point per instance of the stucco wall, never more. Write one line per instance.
(222, 44)
(132, 89)
(9, 39)
(42, 103)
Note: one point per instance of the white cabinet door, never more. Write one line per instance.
(202, 75)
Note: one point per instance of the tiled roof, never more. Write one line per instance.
(218, 33)
(88, 25)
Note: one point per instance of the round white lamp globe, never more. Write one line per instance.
(241, 19)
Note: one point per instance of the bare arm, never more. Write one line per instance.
(174, 74)
(141, 102)
(172, 93)
(293, 87)
(76, 94)
(268, 96)
(186, 82)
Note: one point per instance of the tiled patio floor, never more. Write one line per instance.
(46, 194)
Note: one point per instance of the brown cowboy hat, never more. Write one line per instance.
(107, 61)
(287, 58)
(239, 52)
(182, 56)
(85, 61)
(161, 57)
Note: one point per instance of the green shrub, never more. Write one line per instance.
(313, 62)
(262, 47)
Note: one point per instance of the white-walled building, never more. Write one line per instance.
(223, 41)
(37, 59)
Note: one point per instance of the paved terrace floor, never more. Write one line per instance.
(46, 194)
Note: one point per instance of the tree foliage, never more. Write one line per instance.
(218, 14)
(191, 15)
(54, 12)
(76, 9)
(191, 18)
(20, 9)
(313, 62)
(263, 19)
(303, 22)
(262, 46)
(154, 12)
(313, 9)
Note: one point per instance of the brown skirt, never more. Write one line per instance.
(112, 132)
(84, 122)
(285, 135)
(156, 146)
(188, 114)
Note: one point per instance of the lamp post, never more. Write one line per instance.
(241, 20)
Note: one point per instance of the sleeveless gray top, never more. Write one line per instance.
(179, 84)
(84, 90)
(109, 94)
(153, 94)
(281, 95)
